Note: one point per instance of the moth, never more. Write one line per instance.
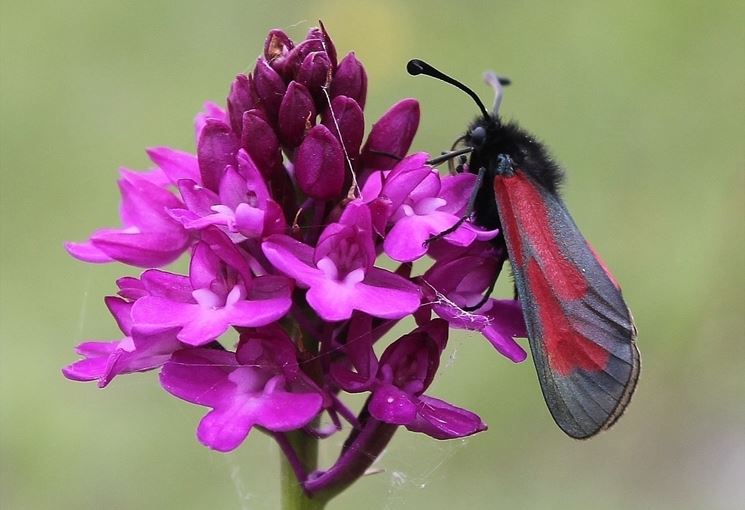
(581, 333)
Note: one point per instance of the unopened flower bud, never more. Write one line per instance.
(319, 164)
(297, 114)
(350, 80)
(289, 66)
(269, 88)
(347, 119)
(241, 99)
(315, 73)
(260, 142)
(391, 135)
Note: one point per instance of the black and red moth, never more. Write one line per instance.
(581, 332)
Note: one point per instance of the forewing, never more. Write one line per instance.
(581, 333)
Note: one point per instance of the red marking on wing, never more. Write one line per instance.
(566, 348)
(509, 222)
(605, 268)
(526, 205)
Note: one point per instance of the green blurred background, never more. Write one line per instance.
(642, 101)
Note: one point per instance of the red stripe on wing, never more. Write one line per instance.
(519, 198)
(566, 349)
(509, 225)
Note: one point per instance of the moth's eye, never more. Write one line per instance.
(477, 136)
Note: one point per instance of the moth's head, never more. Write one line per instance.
(481, 132)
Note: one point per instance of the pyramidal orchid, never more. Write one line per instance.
(286, 211)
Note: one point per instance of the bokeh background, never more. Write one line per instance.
(644, 103)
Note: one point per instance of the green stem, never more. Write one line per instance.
(293, 495)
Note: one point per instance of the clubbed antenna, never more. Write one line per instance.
(416, 67)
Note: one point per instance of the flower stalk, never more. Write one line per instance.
(293, 494)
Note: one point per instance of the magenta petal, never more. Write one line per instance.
(332, 300)
(441, 420)
(383, 302)
(259, 313)
(86, 369)
(175, 287)
(282, 411)
(385, 294)
(220, 245)
(406, 176)
(155, 177)
(240, 395)
(199, 376)
(144, 206)
(142, 249)
(121, 311)
(197, 198)
(406, 240)
(254, 179)
(507, 323)
(203, 325)
(274, 288)
(176, 164)
(224, 429)
(392, 405)
(93, 367)
(216, 149)
(152, 314)
(140, 353)
(506, 346)
(456, 191)
(87, 252)
(293, 258)
(203, 267)
(210, 111)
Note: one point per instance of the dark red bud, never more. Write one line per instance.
(315, 73)
(329, 45)
(350, 121)
(260, 142)
(350, 80)
(289, 66)
(297, 114)
(391, 135)
(269, 88)
(319, 164)
(241, 99)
